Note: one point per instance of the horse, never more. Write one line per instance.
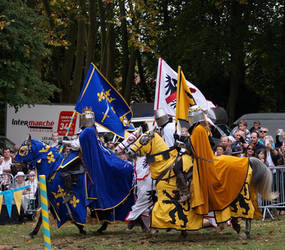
(47, 161)
(169, 213)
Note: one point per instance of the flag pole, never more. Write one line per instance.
(68, 128)
(177, 96)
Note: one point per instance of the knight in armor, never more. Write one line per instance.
(168, 134)
(71, 172)
(166, 125)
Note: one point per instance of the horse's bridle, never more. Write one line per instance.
(24, 150)
(144, 140)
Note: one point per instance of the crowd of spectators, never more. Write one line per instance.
(16, 176)
(254, 142)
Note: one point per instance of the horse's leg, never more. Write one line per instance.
(235, 225)
(246, 233)
(37, 227)
(247, 227)
(80, 228)
(103, 227)
(183, 234)
(130, 226)
(144, 227)
(222, 226)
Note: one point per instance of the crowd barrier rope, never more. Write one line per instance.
(270, 208)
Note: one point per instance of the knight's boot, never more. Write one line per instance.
(68, 189)
(182, 187)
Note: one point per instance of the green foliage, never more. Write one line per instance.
(218, 43)
(203, 35)
(22, 47)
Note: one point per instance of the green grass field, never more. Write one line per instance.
(268, 234)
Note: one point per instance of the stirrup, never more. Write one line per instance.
(67, 198)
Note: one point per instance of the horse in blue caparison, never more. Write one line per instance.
(94, 188)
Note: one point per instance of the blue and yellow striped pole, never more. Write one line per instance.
(44, 204)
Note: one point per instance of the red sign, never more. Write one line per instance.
(63, 123)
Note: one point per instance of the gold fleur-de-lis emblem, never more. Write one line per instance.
(74, 201)
(101, 96)
(60, 193)
(108, 96)
(44, 149)
(50, 157)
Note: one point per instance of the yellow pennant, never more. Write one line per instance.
(1, 200)
(18, 199)
(184, 98)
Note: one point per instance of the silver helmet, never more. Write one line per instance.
(195, 115)
(87, 118)
(161, 117)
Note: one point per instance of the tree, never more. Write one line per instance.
(22, 49)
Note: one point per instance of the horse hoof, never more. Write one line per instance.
(243, 236)
(128, 230)
(30, 236)
(146, 230)
(83, 232)
(154, 233)
(183, 234)
(221, 226)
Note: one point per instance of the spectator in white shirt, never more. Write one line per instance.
(6, 161)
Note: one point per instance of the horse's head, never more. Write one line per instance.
(128, 141)
(29, 150)
(148, 143)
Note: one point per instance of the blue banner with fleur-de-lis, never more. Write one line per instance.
(109, 107)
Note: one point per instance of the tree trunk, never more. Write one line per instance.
(130, 78)
(79, 61)
(65, 74)
(110, 57)
(125, 49)
(142, 83)
(237, 71)
(281, 104)
(92, 35)
(48, 11)
(103, 60)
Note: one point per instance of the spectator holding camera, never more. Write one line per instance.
(280, 141)
(272, 154)
(239, 138)
(282, 153)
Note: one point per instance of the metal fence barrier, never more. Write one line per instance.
(30, 199)
(271, 208)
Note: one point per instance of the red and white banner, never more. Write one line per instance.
(165, 91)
